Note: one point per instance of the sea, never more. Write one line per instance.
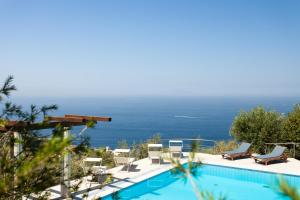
(136, 119)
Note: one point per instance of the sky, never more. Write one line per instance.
(72, 48)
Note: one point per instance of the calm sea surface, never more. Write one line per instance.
(137, 119)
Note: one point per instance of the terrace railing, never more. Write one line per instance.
(293, 144)
(187, 143)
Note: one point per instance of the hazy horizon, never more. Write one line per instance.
(14, 96)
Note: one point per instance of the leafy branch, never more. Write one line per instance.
(7, 87)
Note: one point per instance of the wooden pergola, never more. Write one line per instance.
(66, 121)
(52, 122)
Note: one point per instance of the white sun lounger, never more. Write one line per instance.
(155, 152)
(175, 148)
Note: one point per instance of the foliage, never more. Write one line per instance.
(37, 166)
(288, 191)
(140, 151)
(31, 173)
(190, 173)
(122, 144)
(220, 146)
(258, 127)
(291, 127)
(115, 195)
(7, 88)
(107, 156)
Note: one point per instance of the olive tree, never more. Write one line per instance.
(258, 126)
(291, 128)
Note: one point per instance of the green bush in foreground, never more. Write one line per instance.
(38, 165)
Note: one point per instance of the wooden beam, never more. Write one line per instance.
(90, 118)
(52, 122)
(64, 119)
(16, 123)
(40, 126)
(47, 125)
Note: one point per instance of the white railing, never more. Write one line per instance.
(187, 142)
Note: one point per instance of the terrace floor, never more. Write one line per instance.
(143, 169)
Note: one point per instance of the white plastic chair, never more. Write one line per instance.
(122, 157)
(175, 148)
(155, 152)
(93, 165)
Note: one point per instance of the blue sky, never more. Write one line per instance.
(151, 48)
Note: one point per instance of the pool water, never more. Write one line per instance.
(232, 183)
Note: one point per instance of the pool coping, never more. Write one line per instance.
(246, 164)
(254, 170)
(108, 190)
(123, 184)
(205, 164)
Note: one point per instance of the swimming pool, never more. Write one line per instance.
(233, 183)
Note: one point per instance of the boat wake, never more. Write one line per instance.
(185, 116)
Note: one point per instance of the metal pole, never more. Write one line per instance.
(66, 171)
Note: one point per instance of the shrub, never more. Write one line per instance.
(122, 144)
(140, 151)
(107, 156)
(221, 146)
(258, 127)
(291, 128)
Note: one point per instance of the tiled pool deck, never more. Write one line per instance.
(143, 169)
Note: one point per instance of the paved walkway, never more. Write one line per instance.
(143, 169)
(292, 167)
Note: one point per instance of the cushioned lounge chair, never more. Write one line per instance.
(241, 151)
(276, 154)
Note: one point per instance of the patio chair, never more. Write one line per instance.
(94, 166)
(276, 154)
(241, 151)
(122, 157)
(175, 148)
(155, 152)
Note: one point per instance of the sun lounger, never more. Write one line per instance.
(122, 157)
(155, 152)
(276, 154)
(175, 148)
(241, 151)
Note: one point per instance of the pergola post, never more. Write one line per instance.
(15, 150)
(66, 170)
(17, 144)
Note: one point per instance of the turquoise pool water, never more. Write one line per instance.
(234, 184)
